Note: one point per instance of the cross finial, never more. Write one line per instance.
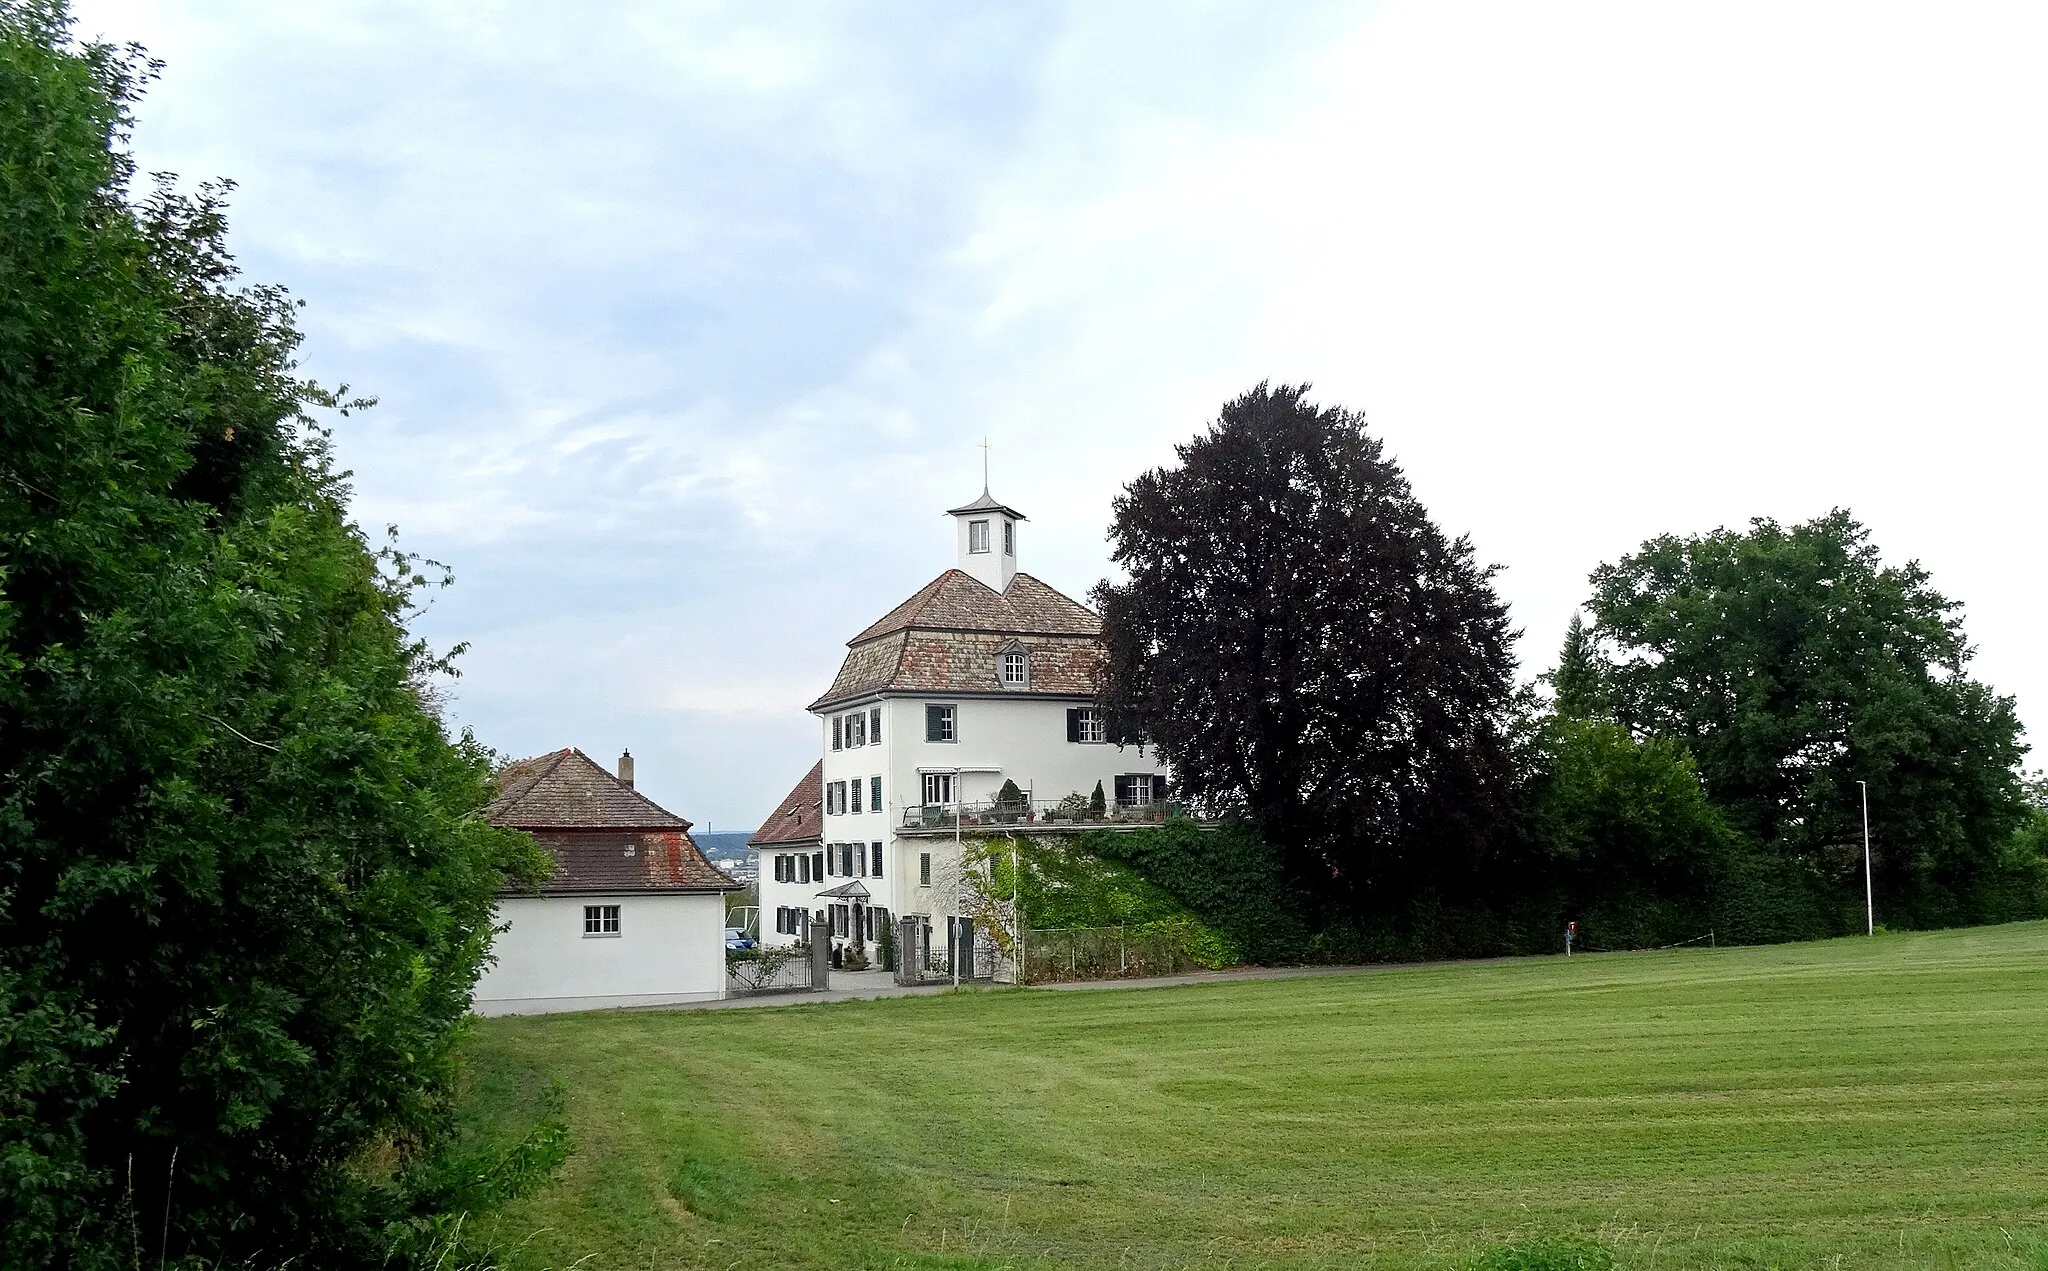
(985, 448)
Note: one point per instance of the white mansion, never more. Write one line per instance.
(984, 676)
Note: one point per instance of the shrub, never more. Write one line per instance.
(244, 892)
(885, 946)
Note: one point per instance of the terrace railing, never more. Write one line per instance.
(998, 813)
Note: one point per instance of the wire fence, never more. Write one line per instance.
(1065, 955)
(1583, 946)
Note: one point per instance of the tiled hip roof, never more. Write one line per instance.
(800, 817)
(611, 861)
(965, 662)
(566, 789)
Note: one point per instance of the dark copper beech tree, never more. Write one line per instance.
(1309, 651)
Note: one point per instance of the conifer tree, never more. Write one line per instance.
(1576, 681)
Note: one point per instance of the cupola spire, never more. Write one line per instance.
(987, 536)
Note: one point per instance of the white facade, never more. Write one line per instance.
(1018, 735)
(667, 948)
(998, 738)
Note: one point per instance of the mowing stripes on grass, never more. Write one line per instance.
(1880, 1101)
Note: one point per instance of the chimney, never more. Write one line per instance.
(626, 767)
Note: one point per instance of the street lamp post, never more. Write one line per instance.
(1869, 901)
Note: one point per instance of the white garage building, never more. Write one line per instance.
(634, 914)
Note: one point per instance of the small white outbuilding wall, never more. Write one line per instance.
(669, 948)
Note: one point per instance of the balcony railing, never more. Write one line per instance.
(1033, 813)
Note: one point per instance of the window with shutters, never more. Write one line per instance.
(875, 865)
(855, 791)
(838, 723)
(1140, 789)
(600, 920)
(875, 725)
(1088, 725)
(875, 794)
(924, 869)
(803, 869)
(977, 537)
(938, 788)
(857, 729)
(939, 724)
(817, 864)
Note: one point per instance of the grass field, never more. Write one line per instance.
(1859, 1103)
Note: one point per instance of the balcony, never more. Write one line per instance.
(1031, 816)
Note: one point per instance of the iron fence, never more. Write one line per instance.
(933, 963)
(768, 969)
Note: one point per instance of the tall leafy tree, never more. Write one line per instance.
(1793, 663)
(243, 891)
(1308, 650)
(1611, 810)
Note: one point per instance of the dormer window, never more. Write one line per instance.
(1013, 665)
(977, 537)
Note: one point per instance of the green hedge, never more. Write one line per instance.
(1235, 884)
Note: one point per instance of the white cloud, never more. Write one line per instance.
(687, 321)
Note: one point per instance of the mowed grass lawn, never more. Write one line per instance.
(1858, 1103)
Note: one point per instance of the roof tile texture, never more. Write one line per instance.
(569, 790)
(958, 602)
(628, 860)
(605, 836)
(800, 818)
(946, 638)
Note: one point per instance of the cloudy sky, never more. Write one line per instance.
(687, 321)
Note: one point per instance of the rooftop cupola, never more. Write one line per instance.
(988, 540)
